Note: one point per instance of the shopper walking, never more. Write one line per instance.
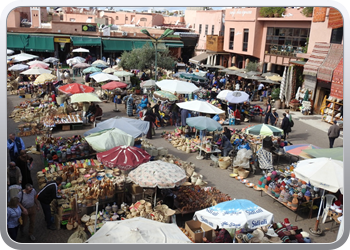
(267, 112)
(46, 195)
(14, 145)
(285, 126)
(13, 214)
(24, 162)
(333, 133)
(29, 205)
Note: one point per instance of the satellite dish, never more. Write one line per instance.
(124, 33)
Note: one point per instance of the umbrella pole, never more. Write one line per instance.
(155, 197)
(96, 217)
(319, 211)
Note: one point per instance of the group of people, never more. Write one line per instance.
(23, 200)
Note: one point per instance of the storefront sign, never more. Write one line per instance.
(240, 12)
(89, 27)
(61, 40)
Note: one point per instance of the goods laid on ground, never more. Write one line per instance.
(52, 121)
(61, 149)
(29, 128)
(193, 197)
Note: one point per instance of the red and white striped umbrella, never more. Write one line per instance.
(123, 157)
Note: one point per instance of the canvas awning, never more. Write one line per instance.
(199, 58)
(117, 45)
(319, 53)
(325, 71)
(86, 41)
(30, 42)
(174, 44)
(337, 81)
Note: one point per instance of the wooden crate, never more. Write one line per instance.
(77, 126)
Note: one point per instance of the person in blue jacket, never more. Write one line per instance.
(14, 145)
(143, 104)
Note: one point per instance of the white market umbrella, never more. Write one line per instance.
(102, 77)
(38, 62)
(237, 97)
(148, 84)
(200, 106)
(223, 93)
(324, 173)
(159, 174)
(109, 70)
(99, 62)
(81, 65)
(23, 57)
(51, 60)
(180, 87)
(139, 230)
(237, 214)
(81, 50)
(75, 60)
(36, 71)
(85, 97)
(18, 67)
(10, 52)
(122, 73)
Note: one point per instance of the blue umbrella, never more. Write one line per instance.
(95, 73)
(91, 70)
(100, 65)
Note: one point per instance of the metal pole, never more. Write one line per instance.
(155, 62)
(96, 217)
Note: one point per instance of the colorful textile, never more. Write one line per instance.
(319, 53)
(265, 159)
(335, 19)
(319, 14)
(337, 81)
(325, 71)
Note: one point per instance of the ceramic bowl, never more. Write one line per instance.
(233, 175)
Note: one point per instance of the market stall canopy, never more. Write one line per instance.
(84, 97)
(236, 69)
(233, 72)
(200, 106)
(81, 50)
(148, 84)
(10, 52)
(95, 73)
(333, 153)
(122, 73)
(109, 138)
(237, 97)
(297, 149)
(264, 130)
(139, 230)
(164, 95)
(103, 77)
(38, 65)
(91, 70)
(123, 157)
(223, 93)
(36, 71)
(100, 65)
(180, 87)
(269, 82)
(159, 174)
(133, 127)
(200, 73)
(213, 66)
(81, 65)
(44, 78)
(322, 172)
(75, 88)
(113, 85)
(244, 75)
(256, 78)
(193, 77)
(199, 58)
(236, 214)
(18, 67)
(203, 123)
(253, 73)
(274, 78)
(51, 60)
(269, 74)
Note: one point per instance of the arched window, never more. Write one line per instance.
(117, 18)
(143, 19)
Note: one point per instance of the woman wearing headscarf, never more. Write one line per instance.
(149, 118)
(129, 106)
(24, 162)
(143, 104)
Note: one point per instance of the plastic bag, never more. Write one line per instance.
(79, 236)
(242, 158)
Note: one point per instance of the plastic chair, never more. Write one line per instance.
(328, 200)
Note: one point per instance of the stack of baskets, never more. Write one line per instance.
(243, 172)
(224, 162)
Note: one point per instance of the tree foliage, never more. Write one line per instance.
(252, 66)
(144, 58)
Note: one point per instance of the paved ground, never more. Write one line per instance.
(306, 130)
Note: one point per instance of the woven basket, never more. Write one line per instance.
(224, 162)
(243, 172)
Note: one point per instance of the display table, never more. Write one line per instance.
(301, 205)
(207, 153)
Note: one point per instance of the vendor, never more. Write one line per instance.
(222, 236)
(226, 145)
(91, 111)
(274, 117)
(143, 104)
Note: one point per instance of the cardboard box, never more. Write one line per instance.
(65, 127)
(28, 96)
(136, 197)
(194, 225)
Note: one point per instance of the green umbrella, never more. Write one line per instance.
(334, 153)
(193, 77)
(164, 95)
(264, 130)
(91, 70)
(203, 123)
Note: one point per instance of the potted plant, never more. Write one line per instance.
(307, 11)
(275, 95)
(266, 11)
(278, 11)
